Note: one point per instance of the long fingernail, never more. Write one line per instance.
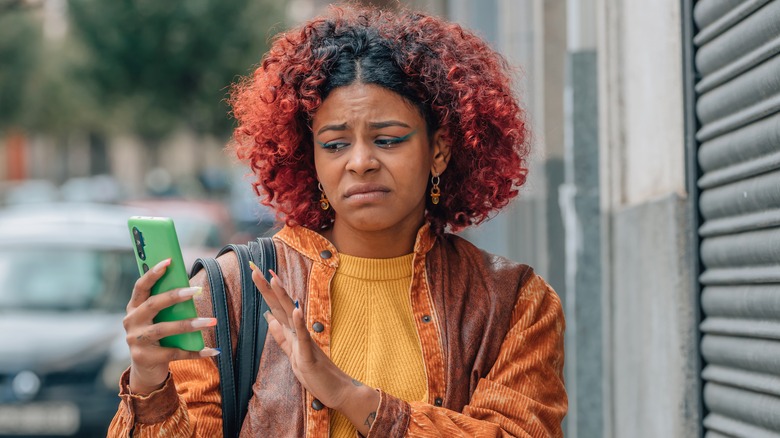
(190, 291)
(276, 277)
(210, 352)
(204, 322)
(265, 315)
(160, 266)
(252, 265)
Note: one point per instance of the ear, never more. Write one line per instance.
(440, 151)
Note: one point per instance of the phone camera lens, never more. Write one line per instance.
(138, 239)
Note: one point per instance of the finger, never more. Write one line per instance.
(271, 297)
(143, 286)
(278, 332)
(268, 295)
(150, 357)
(153, 333)
(305, 342)
(287, 332)
(152, 306)
(284, 298)
(262, 284)
(179, 354)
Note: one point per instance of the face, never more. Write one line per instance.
(374, 157)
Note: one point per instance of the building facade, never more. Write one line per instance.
(653, 206)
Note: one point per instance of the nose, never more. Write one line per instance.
(362, 158)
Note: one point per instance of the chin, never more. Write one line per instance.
(379, 221)
(370, 224)
(369, 219)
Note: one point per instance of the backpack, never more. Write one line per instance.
(237, 373)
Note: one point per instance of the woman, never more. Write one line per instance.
(372, 134)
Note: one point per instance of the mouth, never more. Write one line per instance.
(364, 189)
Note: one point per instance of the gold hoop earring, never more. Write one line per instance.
(324, 203)
(435, 191)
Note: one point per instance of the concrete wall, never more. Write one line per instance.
(641, 62)
(655, 383)
(584, 283)
(632, 338)
(531, 34)
(651, 302)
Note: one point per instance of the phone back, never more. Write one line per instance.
(154, 240)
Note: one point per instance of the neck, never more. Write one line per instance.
(380, 244)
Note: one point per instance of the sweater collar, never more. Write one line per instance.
(319, 249)
(363, 269)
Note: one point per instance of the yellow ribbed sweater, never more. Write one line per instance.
(374, 339)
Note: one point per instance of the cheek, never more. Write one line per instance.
(415, 177)
(323, 167)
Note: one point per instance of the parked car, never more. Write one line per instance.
(252, 218)
(31, 191)
(66, 275)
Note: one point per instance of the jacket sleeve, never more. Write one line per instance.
(188, 404)
(523, 395)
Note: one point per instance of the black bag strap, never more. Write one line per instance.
(263, 255)
(246, 347)
(224, 360)
(238, 372)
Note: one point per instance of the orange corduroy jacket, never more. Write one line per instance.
(491, 333)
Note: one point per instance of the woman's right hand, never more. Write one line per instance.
(148, 360)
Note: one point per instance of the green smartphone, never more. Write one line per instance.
(154, 240)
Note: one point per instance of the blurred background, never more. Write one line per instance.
(652, 208)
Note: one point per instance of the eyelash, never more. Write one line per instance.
(382, 143)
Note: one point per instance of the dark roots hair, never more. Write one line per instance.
(453, 77)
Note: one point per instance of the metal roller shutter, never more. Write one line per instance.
(738, 108)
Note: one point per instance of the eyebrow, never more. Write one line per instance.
(341, 127)
(371, 125)
(385, 124)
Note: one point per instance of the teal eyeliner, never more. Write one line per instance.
(404, 138)
(390, 142)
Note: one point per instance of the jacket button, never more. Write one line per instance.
(318, 327)
(438, 401)
(317, 405)
(326, 254)
(426, 318)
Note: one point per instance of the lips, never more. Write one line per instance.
(360, 189)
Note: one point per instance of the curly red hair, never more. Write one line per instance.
(451, 74)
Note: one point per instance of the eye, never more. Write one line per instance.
(333, 145)
(386, 141)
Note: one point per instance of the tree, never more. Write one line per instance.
(156, 65)
(20, 39)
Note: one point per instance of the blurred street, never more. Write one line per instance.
(652, 205)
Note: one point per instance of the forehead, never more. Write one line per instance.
(358, 104)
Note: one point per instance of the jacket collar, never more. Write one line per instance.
(314, 246)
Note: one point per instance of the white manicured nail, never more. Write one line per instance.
(190, 291)
(204, 322)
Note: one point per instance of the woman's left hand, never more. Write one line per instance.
(316, 372)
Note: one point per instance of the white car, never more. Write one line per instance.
(66, 275)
